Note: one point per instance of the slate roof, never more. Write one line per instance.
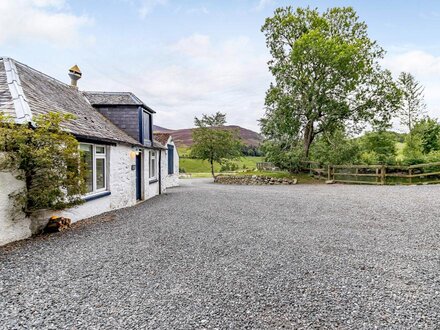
(115, 98)
(161, 137)
(44, 94)
(157, 145)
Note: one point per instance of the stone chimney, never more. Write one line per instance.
(75, 75)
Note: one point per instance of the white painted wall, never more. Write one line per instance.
(13, 223)
(170, 180)
(121, 183)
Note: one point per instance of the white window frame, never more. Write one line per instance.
(153, 160)
(96, 156)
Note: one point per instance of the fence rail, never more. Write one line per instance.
(373, 174)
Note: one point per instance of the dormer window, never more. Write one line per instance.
(147, 128)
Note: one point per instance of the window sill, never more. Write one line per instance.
(153, 181)
(96, 196)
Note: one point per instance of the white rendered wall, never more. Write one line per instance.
(121, 182)
(13, 223)
(170, 180)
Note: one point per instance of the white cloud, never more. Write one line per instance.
(208, 76)
(39, 20)
(198, 10)
(425, 67)
(262, 4)
(197, 45)
(146, 6)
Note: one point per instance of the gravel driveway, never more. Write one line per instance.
(212, 256)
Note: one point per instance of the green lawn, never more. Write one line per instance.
(202, 166)
(399, 149)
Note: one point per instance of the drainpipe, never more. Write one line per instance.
(160, 172)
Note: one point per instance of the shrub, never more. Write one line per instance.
(48, 161)
(378, 148)
(336, 149)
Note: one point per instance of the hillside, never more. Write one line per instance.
(183, 137)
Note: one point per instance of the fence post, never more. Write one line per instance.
(410, 175)
(329, 173)
(382, 175)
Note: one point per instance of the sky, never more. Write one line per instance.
(185, 58)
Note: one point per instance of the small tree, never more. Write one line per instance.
(412, 107)
(214, 143)
(428, 131)
(47, 159)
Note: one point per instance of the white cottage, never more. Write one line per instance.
(127, 164)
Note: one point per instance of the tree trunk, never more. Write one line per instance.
(308, 138)
(212, 168)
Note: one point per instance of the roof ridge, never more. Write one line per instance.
(37, 71)
(23, 112)
(103, 92)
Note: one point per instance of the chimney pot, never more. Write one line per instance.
(74, 74)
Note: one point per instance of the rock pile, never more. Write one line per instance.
(253, 180)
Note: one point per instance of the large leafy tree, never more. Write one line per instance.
(412, 107)
(326, 77)
(213, 142)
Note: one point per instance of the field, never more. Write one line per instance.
(192, 166)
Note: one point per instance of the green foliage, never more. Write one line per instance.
(336, 149)
(412, 106)
(327, 76)
(412, 151)
(193, 165)
(378, 147)
(432, 157)
(228, 167)
(251, 151)
(428, 131)
(47, 159)
(284, 155)
(214, 143)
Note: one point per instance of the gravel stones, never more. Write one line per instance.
(211, 256)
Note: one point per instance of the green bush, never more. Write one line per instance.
(378, 148)
(428, 133)
(47, 159)
(283, 155)
(335, 149)
(412, 152)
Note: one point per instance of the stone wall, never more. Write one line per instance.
(253, 180)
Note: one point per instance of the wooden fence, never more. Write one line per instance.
(375, 174)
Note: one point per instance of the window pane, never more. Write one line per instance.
(146, 126)
(100, 150)
(87, 153)
(100, 173)
(152, 164)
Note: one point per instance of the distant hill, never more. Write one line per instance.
(161, 129)
(183, 137)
